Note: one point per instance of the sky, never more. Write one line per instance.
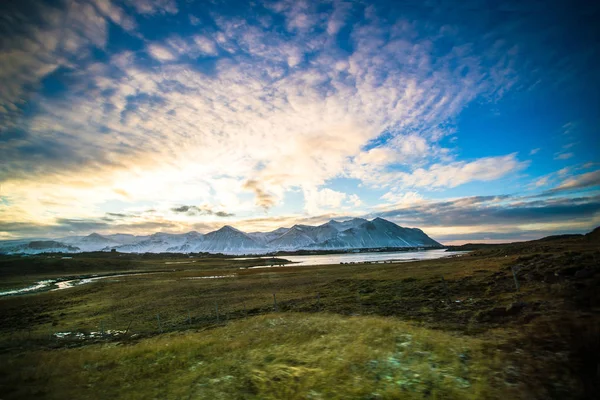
(473, 120)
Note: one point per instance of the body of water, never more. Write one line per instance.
(400, 256)
(60, 283)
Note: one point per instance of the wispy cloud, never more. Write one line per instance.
(570, 127)
(582, 181)
(151, 7)
(263, 199)
(543, 181)
(402, 198)
(317, 201)
(459, 172)
(202, 210)
(160, 52)
(239, 109)
(563, 156)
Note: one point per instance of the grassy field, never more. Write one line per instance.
(453, 328)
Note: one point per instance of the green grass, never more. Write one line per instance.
(410, 290)
(278, 356)
(19, 271)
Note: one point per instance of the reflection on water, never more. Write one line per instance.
(90, 335)
(77, 282)
(212, 277)
(61, 284)
(349, 258)
(37, 286)
(180, 262)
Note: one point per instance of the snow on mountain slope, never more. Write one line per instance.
(296, 237)
(92, 242)
(266, 237)
(413, 237)
(7, 246)
(323, 232)
(342, 226)
(124, 238)
(352, 234)
(379, 233)
(229, 240)
(40, 246)
(159, 243)
(304, 236)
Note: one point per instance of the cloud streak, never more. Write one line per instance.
(508, 215)
(581, 181)
(203, 210)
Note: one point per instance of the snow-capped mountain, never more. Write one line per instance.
(160, 242)
(266, 237)
(124, 238)
(93, 242)
(342, 226)
(36, 247)
(379, 233)
(297, 237)
(229, 240)
(356, 233)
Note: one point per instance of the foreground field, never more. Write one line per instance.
(279, 356)
(449, 328)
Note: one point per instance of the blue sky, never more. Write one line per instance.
(475, 121)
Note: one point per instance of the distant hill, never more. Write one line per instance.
(40, 246)
(352, 234)
(594, 236)
(569, 242)
(472, 246)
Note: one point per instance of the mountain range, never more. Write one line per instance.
(357, 233)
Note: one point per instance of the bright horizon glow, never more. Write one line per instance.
(139, 116)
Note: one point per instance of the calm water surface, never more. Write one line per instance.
(369, 257)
